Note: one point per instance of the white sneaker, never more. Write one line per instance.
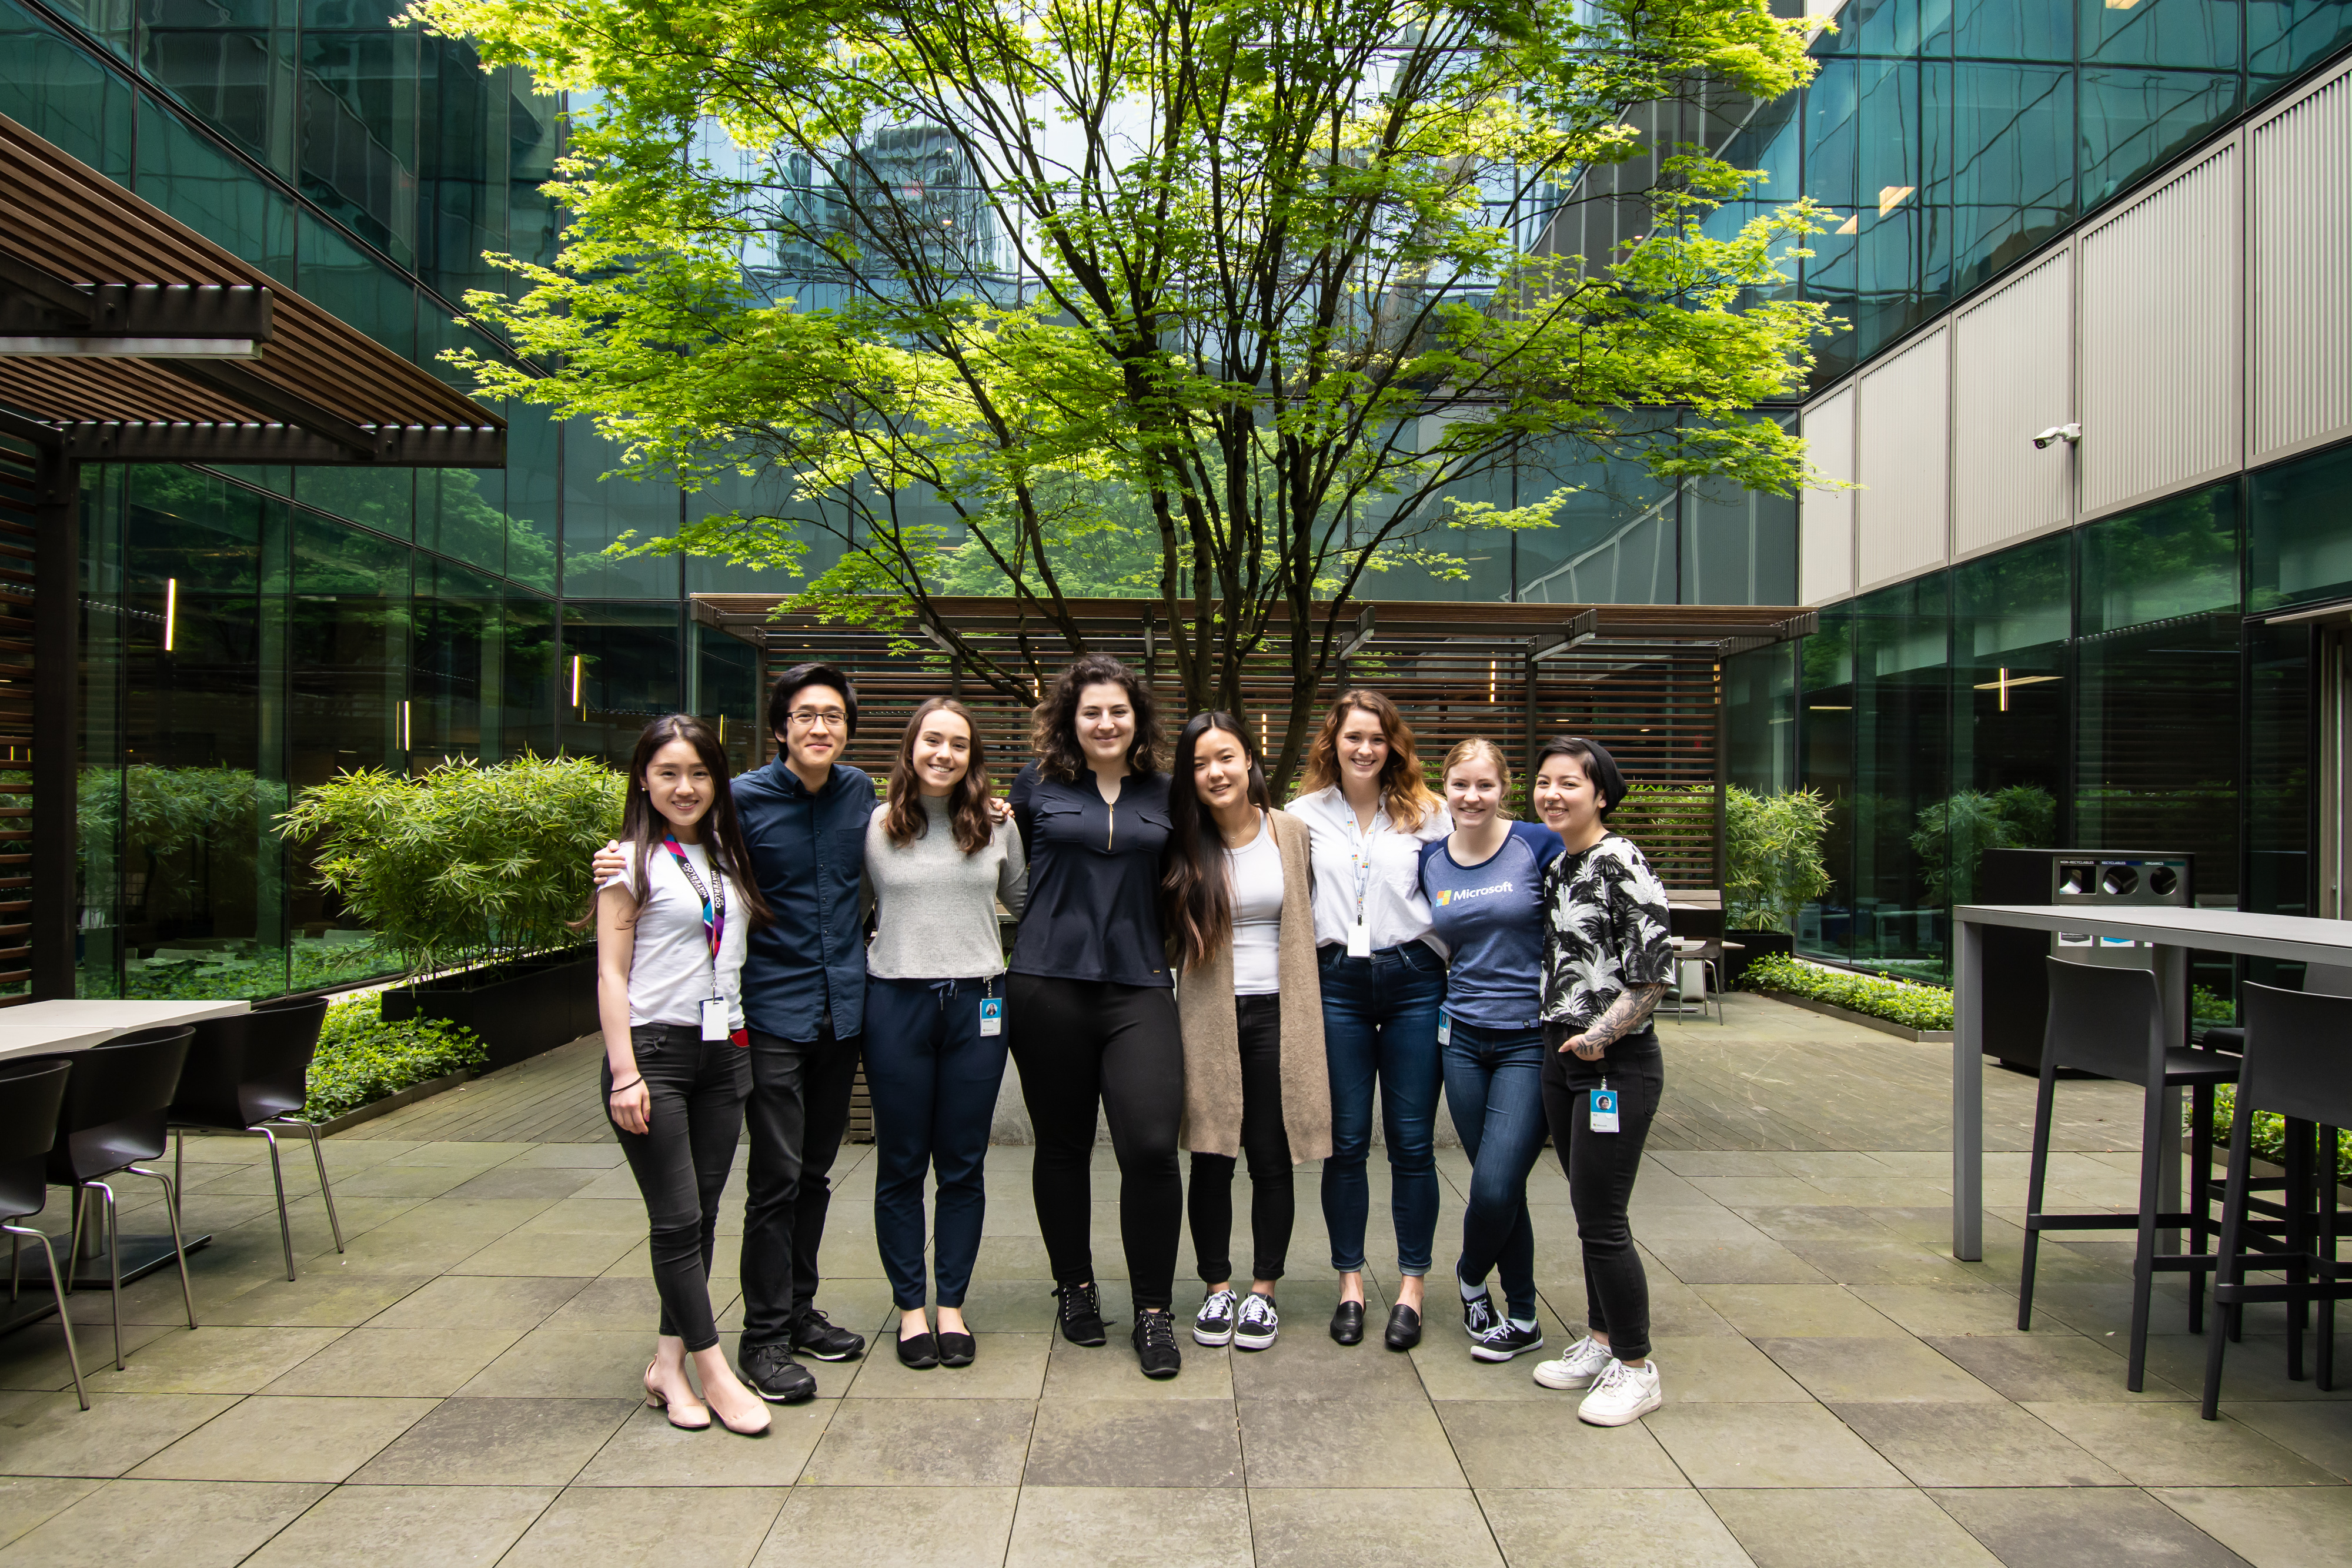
(1586, 1359)
(1258, 1325)
(1622, 1395)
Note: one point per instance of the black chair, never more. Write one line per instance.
(2297, 1064)
(2109, 1024)
(1695, 915)
(113, 1118)
(245, 1071)
(31, 1091)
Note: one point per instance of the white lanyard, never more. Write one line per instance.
(1360, 859)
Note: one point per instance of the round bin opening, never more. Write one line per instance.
(2119, 881)
(2163, 880)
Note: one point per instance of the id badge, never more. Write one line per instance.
(992, 1015)
(714, 1018)
(1445, 1028)
(1604, 1110)
(1360, 940)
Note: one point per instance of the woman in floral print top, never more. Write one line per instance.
(1607, 957)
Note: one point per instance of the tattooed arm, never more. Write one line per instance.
(1629, 1013)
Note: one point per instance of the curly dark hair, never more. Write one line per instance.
(1054, 729)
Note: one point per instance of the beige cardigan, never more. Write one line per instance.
(1212, 1061)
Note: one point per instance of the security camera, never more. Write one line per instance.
(2068, 432)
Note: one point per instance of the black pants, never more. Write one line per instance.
(681, 1161)
(933, 1077)
(1266, 1143)
(798, 1111)
(1601, 1169)
(1080, 1043)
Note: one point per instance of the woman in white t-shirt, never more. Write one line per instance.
(670, 936)
(1237, 906)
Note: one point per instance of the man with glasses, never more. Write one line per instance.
(804, 817)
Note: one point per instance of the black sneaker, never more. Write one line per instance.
(1258, 1323)
(1478, 1317)
(816, 1335)
(1505, 1340)
(1213, 1323)
(1080, 1313)
(1155, 1344)
(775, 1376)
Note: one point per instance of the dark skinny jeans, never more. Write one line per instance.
(1084, 1043)
(933, 1077)
(1493, 1087)
(798, 1111)
(1601, 1169)
(681, 1161)
(1267, 1143)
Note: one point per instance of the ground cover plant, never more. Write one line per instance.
(1879, 996)
(361, 1059)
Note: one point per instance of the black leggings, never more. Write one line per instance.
(1273, 1205)
(681, 1161)
(1601, 1169)
(1080, 1043)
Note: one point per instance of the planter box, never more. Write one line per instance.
(1883, 1026)
(1757, 944)
(519, 1010)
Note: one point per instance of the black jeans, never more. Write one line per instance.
(681, 1161)
(798, 1111)
(1601, 1169)
(933, 1077)
(1081, 1043)
(1265, 1142)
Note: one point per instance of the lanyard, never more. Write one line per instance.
(1360, 851)
(714, 910)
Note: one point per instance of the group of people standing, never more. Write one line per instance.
(1200, 970)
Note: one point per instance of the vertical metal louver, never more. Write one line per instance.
(1825, 518)
(2013, 376)
(2299, 249)
(1902, 459)
(2161, 373)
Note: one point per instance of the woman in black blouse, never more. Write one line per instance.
(1091, 998)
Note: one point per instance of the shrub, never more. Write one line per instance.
(1880, 995)
(2268, 1138)
(1772, 857)
(466, 864)
(361, 1059)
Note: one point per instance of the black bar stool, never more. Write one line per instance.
(2298, 1063)
(113, 1119)
(30, 1095)
(246, 1071)
(2109, 1022)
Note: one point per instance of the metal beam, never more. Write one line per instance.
(1367, 627)
(1578, 629)
(387, 446)
(35, 302)
(57, 722)
(129, 348)
(268, 398)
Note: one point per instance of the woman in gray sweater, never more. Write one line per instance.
(936, 864)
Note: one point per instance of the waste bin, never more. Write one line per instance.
(2017, 991)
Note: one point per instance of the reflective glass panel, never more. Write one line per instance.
(2011, 616)
(2177, 557)
(2299, 530)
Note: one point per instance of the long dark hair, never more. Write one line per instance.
(1403, 791)
(1054, 729)
(906, 820)
(1196, 899)
(643, 828)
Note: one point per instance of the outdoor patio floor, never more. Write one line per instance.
(461, 1386)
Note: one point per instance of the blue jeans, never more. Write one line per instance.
(1380, 1020)
(1493, 1086)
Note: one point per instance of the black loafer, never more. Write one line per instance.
(1348, 1323)
(1404, 1328)
(920, 1353)
(775, 1376)
(956, 1349)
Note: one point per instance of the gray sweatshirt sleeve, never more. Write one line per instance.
(1013, 874)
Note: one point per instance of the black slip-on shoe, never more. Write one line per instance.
(1080, 1312)
(775, 1376)
(816, 1335)
(1348, 1323)
(1404, 1328)
(920, 1353)
(1155, 1344)
(956, 1349)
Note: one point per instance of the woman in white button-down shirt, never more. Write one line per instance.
(1369, 811)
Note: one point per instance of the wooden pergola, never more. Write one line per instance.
(1643, 680)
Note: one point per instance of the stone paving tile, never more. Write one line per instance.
(397, 1362)
(1975, 1445)
(1304, 1528)
(647, 1451)
(499, 1442)
(1794, 1528)
(210, 1360)
(2047, 1367)
(460, 1301)
(1628, 1528)
(1767, 1446)
(2168, 1445)
(407, 1527)
(578, 1364)
(162, 1525)
(1364, 1443)
(618, 1527)
(2078, 1528)
(1130, 1527)
(1875, 1369)
(1110, 1372)
(917, 1443)
(967, 1528)
(1791, 1312)
(1134, 1442)
(1004, 1366)
(26, 1501)
(314, 1300)
(2321, 1433)
(278, 1439)
(51, 1434)
(2277, 1527)
(1500, 1444)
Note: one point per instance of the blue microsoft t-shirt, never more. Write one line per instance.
(1491, 918)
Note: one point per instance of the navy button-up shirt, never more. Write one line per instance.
(809, 852)
(1093, 912)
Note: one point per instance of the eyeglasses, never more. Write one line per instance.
(819, 717)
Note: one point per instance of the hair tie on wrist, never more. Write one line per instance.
(632, 1084)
